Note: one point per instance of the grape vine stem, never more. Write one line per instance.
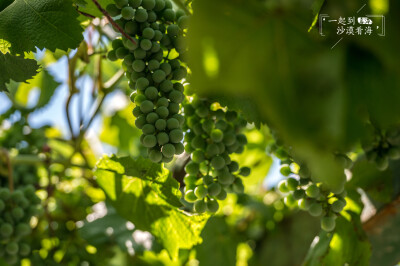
(105, 13)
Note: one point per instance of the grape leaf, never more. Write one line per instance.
(90, 8)
(146, 194)
(16, 68)
(4, 4)
(44, 81)
(47, 24)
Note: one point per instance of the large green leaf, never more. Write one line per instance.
(146, 194)
(47, 24)
(16, 68)
(44, 82)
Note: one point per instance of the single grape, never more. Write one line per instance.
(285, 170)
(158, 76)
(127, 12)
(162, 138)
(6, 230)
(218, 162)
(315, 209)
(179, 148)
(155, 156)
(168, 150)
(338, 205)
(328, 223)
(212, 205)
(190, 196)
(313, 191)
(113, 10)
(162, 111)
(12, 248)
(169, 15)
(176, 135)
(141, 15)
(138, 65)
(298, 194)
(149, 141)
(200, 206)
(147, 107)
(198, 156)
(148, 129)
(151, 93)
(161, 124)
(292, 184)
(152, 117)
(148, 4)
(192, 168)
(244, 171)
(282, 186)
(200, 192)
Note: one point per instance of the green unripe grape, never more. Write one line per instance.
(176, 135)
(162, 111)
(112, 55)
(151, 117)
(148, 4)
(152, 16)
(229, 138)
(304, 181)
(328, 223)
(214, 189)
(218, 162)
(244, 171)
(183, 22)
(131, 27)
(217, 135)
(200, 192)
(169, 15)
(158, 76)
(212, 206)
(221, 147)
(135, 3)
(153, 65)
(151, 93)
(113, 10)
(155, 156)
(285, 170)
(222, 195)
(161, 124)
(157, 35)
(149, 141)
(225, 178)
(168, 4)
(24, 249)
(207, 125)
(290, 201)
(221, 124)
(162, 102)
(197, 129)
(303, 204)
(238, 186)
(233, 167)
(146, 44)
(155, 47)
(298, 194)
(176, 96)
(128, 60)
(179, 13)
(212, 150)
(22, 229)
(158, 56)
(139, 99)
(127, 12)
(159, 5)
(6, 230)
(139, 53)
(12, 248)
(179, 148)
(198, 156)
(180, 118)
(131, 46)
(147, 107)
(135, 75)
(17, 213)
(338, 205)
(282, 186)
(148, 129)
(200, 206)
(313, 191)
(190, 196)
(198, 142)
(167, 159)
(140, 121)
(172, 123)
(117, 43)
(141, 15)
(166, 85)
(231, 116)
(138, 65)
(121, 3)
(180, 73)
(292, 184)
(166, 68)
(142, 83)
(208, 180)
(173, 30)
(175, 63)
(121, 52)
(382, 163)
(192, 168)
(315, 209)
(281, 154)
(162, 138)
(168, 150)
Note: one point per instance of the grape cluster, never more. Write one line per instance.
(213, 135)
(380, 146)
(309, 195)
(155, 77)
(16, 209)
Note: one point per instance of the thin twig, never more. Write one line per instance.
(105, 13)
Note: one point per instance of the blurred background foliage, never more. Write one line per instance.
(256, 57)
